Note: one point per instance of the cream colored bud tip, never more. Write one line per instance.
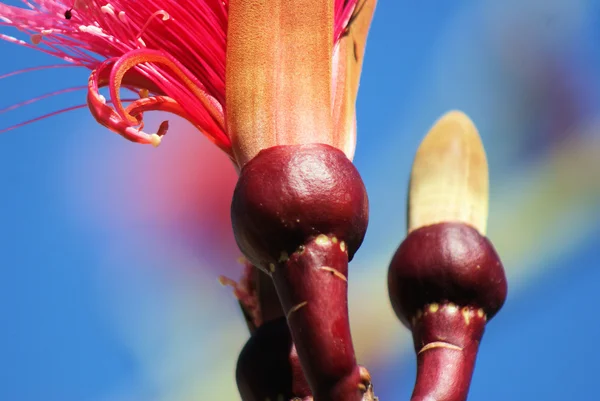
(449, 180)
(155, 140)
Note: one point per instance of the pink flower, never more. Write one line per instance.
(174, 54)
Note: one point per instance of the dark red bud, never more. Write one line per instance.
(288, 194)
(446, 262)
(268, 366)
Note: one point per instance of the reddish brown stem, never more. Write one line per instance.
(445, 281)
(317, 313)
(446, 341)
(299, 213)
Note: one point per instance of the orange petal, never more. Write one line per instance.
(278, 86)
(348, 65)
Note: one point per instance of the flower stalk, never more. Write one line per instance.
(446, 280)
(302, 229)
(300, 209)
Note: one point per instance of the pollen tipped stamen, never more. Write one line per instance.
(155, 139)
(85, 33)
(105, 114)
(123, 120)
(164, 17)
(108, 9)
(163, 103)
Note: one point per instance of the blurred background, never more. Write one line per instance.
(110, 251)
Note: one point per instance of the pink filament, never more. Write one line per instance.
(179, 58)
(52, 114)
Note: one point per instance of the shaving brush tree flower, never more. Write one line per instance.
(300, 209)
(273, 84)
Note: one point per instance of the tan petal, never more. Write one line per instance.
(359, 29)
(449, 180)
(348, 65)
(278, 79)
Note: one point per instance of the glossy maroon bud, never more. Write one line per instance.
(288, 194)
(446, 262)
